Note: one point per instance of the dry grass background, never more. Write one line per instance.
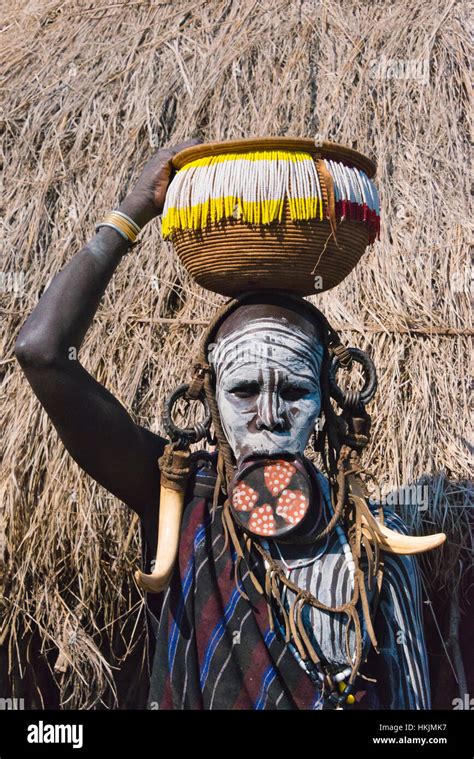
(90, 89)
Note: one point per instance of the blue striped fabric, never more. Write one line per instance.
(215, 650)
(187, 585)
(268, 677)
(217, 634)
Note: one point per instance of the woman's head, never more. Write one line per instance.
(267, 357)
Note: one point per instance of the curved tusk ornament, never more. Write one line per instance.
(396, 542)
(169, 523)
(176, 467)
(387, 539)
(175, 471)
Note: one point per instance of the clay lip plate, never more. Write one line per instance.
(271, 497)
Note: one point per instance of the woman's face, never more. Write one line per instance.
(267, 385)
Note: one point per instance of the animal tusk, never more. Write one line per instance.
(169, 524)
(387, 539)
(396, 542)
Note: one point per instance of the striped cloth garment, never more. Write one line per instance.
(215, 650)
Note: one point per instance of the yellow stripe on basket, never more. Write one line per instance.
(255, 155)
(251, 186)
(252, 212)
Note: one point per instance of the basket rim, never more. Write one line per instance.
(322, 149)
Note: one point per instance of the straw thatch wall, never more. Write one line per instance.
(91, 90)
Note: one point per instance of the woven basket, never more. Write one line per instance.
(229, 255)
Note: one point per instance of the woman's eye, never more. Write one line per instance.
(245, 389)
(294, 392)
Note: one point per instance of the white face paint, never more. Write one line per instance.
(267, 387)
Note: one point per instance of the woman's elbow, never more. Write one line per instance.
(34, 351)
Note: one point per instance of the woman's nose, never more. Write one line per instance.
(271, 412)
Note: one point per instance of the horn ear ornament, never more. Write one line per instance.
(389, 540)
(356, 436)
(175, 466)
(169, 524)
(395, 542)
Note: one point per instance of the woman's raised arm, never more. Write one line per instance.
(95, 428)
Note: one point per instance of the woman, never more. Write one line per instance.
(216, 646)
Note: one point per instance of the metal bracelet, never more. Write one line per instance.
(130, 221)
(122, 234)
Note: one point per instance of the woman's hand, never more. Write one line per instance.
(148, 196)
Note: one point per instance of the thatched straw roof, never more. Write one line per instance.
(91, 89)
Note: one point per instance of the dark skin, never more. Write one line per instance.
(95, 428)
